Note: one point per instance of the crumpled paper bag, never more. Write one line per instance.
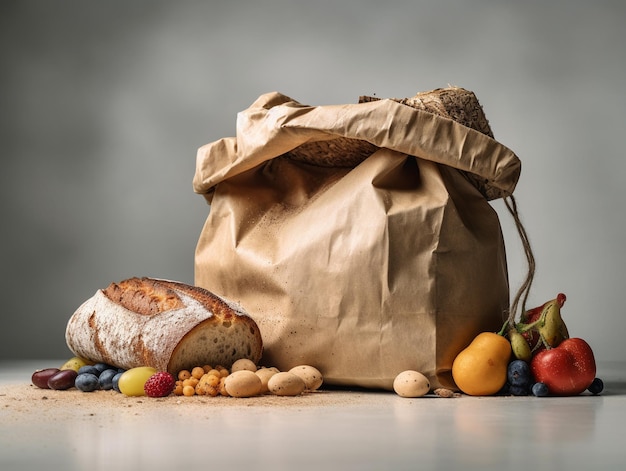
(359, 237)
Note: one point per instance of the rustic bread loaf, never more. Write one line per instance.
(452, 102)
(164, 324)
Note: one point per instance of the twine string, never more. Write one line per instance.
(524, 289)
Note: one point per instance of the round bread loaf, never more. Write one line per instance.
(164, 324)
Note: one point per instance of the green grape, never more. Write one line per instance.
(132, 380)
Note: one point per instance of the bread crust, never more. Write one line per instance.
(161, 323)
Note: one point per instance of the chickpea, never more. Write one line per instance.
(214, 372)
(197, 372)
(222, 387)
(193, 382)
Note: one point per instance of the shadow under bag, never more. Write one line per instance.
(359, 237)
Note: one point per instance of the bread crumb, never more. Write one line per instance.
(444, 392)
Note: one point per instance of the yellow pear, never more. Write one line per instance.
(481, 368)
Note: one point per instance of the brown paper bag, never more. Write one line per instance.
(359, 237)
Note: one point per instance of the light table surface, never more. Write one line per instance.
(329, 429)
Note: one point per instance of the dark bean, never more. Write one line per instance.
(64, 379)
(40, 377)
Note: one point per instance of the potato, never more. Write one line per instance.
(75, 363)
(286, 384)
(411, 383)
(243, 383)
(265, 374)
(312, 377)
(243, 364)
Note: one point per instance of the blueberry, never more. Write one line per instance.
(540, 390)
(91, 369)
(116, 380)
(106, 379)
(518, 373)
(518, 390)
(596, 387)
(505, 391)
(86, 382)
(101, 367)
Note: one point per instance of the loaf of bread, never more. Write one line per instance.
(452, 102)
(164, 324)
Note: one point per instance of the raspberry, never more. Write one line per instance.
(160, 384)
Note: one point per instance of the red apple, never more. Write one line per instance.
(567, 370)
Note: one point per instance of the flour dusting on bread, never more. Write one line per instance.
(165, 324)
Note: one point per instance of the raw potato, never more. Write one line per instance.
(243, 383)
(411, 384)
(243, 364)
(312, 377)
(75, 363)
(265, 374)
(286, 384)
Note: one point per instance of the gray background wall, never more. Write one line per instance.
(103, 105)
